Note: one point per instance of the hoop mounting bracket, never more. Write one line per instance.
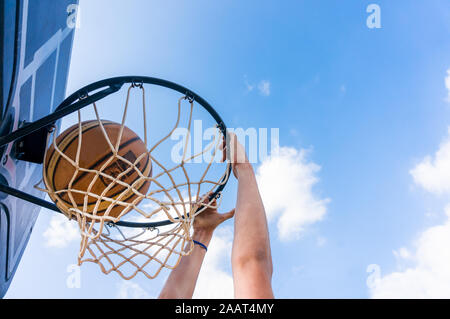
(31, 147)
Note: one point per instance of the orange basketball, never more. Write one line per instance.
(96, 154)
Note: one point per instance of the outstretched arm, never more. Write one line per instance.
(182, 280)
(251, 257)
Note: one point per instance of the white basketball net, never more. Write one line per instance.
(173, 195)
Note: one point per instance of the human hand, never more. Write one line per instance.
(209, 219)
(235, 153)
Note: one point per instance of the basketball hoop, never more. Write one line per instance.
(141, 219)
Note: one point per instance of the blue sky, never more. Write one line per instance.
(357, 109)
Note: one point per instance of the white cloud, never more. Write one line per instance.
(447, 85)
(214, 281)
(286, 181)
(264, 87)
(430, 275)
(433, 173)
(131, 290)
(61, 231)
(402, 253)
(249, 86)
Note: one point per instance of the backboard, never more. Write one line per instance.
(35, 42)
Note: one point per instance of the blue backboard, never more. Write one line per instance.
(35, 42)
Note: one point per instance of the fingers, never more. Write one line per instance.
(233, 150)
(229, 146)
(224, 148)
(206, 199)
(228, 215)
(224, 151)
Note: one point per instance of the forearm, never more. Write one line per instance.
(251, 240)
(182, 280)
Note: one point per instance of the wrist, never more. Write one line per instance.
(200, 244)
(203, 235)
(243, 169)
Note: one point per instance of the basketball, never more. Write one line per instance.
(96, 154)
